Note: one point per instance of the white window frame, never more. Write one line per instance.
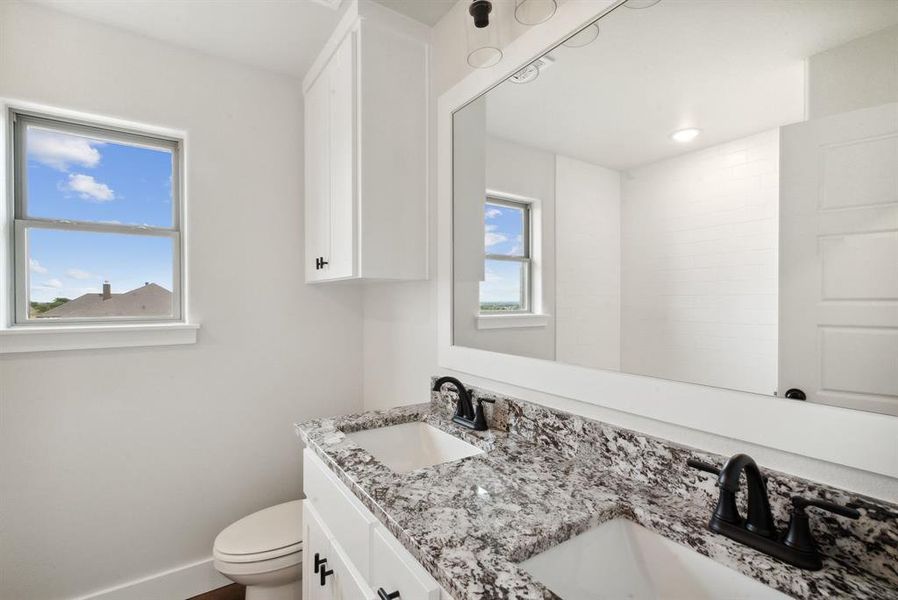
(526, 259)
(22, 222)
(71, 334)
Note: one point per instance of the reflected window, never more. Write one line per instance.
(506, 286)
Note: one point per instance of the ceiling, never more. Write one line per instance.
(729, 68)
(283, 36)
(425, 11)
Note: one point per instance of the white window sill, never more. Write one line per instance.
(85, 337)
(511, 321)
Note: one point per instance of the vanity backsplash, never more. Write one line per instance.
(870, 542)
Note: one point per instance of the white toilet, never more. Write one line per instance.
(264, 552)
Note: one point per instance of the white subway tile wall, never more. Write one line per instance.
(700, 266)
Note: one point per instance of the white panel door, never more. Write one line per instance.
(343, 223)
(839, 259)
(317, 170)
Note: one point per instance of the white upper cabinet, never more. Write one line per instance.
(366, 156)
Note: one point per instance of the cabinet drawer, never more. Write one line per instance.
(395, 570)
(349, 522)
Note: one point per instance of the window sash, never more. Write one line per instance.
(21, 120)
(22, 222)
(524, 207)
(525, 259)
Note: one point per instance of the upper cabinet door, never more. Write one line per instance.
(317, 170)
(343, 219)
(366, 149)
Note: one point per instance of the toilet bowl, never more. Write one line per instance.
(263, 551)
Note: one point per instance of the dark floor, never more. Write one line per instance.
(228, 592)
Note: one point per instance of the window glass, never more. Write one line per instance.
(79, 178)
(504, 230)
(503, 286)
(85, 274)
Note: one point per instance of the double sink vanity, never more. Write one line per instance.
(409, 503)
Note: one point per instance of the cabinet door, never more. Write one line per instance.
(315, 545)
(342, 257)
(317, 170)
(343, 581)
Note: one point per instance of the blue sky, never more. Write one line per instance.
(504, 227)
(84, 179)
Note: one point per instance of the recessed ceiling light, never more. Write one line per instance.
(525, 75)
(583, 37)
(685, 135)
(640, 3)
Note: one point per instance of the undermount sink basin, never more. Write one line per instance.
(411, 446)
(620, 559)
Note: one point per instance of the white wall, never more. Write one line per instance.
(858, 74)
(401, 339)
(699, 276)
(588, 244)
(117, 464)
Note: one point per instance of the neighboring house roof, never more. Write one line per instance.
(149, 300)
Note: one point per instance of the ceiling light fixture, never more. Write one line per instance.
(640, 3)
(483, 40)
(684, 136)
(584, 37)
(534, 12)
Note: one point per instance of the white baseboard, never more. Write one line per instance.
(175, 584)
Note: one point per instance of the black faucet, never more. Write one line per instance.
(796, 546)
(465, 413)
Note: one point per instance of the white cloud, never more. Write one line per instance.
(52, 283)
(78, 274)
(492, 213)
(59, 150)
(88, 188)
(36, 267)
(491, 238)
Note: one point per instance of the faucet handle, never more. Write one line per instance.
(799, 504)
(799, 534)
(479, 417)
(703, 466)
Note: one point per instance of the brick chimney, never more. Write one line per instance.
(107, 290)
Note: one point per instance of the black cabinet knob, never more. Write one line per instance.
(383, 595)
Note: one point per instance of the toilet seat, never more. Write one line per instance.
(269, 534)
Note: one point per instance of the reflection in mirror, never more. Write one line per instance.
(698, 191)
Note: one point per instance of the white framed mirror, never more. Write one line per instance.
(685, 217)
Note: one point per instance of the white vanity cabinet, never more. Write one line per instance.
(360, 558)
(366, 157)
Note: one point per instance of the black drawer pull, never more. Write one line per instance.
(325, 573)
(383, 595)
(319, 562)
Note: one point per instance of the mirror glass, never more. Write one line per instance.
(697, 191)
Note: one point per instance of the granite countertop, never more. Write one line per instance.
(470, 522)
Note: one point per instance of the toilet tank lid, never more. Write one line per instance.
(269, 529)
